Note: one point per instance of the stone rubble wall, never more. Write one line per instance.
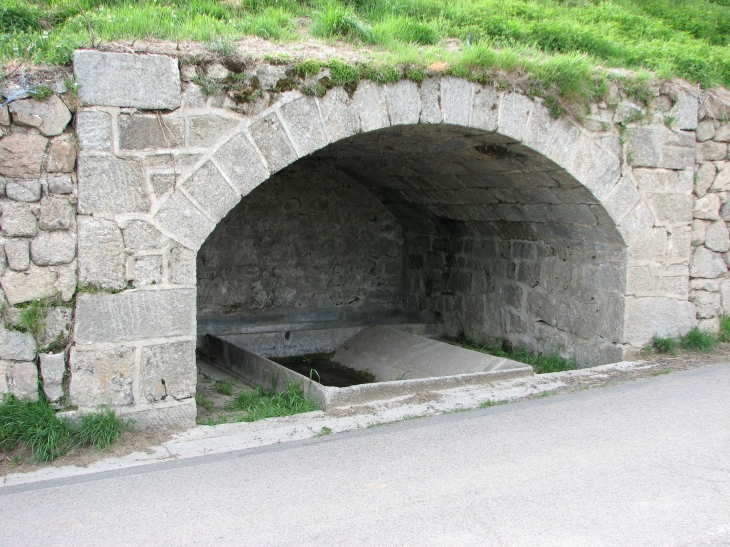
(38, 194)
(160, 165)
(710, 280)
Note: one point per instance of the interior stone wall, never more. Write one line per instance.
(310, 242)
(548, 296)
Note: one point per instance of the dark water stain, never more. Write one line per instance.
(324, 370)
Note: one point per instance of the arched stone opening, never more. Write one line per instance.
(470, 232)
(556, 234)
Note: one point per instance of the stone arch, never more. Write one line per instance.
(296, 126)
(585, 171)
(142, 334)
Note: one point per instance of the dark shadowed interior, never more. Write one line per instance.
(465, 230)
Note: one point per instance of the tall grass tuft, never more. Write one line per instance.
(35, 424)
(664, 345)
(335, 20)
(724, 334)
(697, 339)
(101, 429)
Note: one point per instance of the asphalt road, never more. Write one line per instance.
(643, 463)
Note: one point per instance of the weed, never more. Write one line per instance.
(34, 424)
(382, 74)
(342, 73)
(207, 85)
(662, 371)
(542, 364)
(317, 90)
(203, 401)
(259, 405)
(415, 73)
(41, 92)
(15, 461)
(222, 46)
(333, 20)
(32, 317)
(101, 429)
(487, 403)
(697, 339)
(72, 88)
(324, 432)
(664, 345)
(277, 59)
(224, 387)
(724, 334)
(308, 67)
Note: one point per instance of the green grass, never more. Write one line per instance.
(724, 334)
(699, 340)
(559, 44)
(259, 404)
(101, 429)
(664, 345)
(694, 340)
(35, 425)
(542, 364)
(203, 401)
(224, 387)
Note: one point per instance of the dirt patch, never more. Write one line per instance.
(212, 403)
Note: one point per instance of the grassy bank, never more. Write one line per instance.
(562, 42)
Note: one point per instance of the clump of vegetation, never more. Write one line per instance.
(101, 429)
(308, 67)
(694, 340)
(225, 47)
(41, 92)
(35, 425)
(224, 387)
(697, 339)
(344, 74)
(542, 364)
(203, 401)
(207, 85)
(724, 334)
(259, 404)
(664, 345)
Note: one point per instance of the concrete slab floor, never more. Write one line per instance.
(205, 440)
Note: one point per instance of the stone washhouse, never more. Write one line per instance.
(155, 215)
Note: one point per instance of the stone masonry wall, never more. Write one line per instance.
(710, 280)
(310, 239)
(547, 296)
(38, 256)
(160, 164)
